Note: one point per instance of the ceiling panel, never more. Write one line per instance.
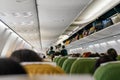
(55, 16)
(21, 16)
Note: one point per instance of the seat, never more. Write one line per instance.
(67, 64)
(58, 58)
(83, 66)
(54, 59)
(108, 71)
(118, 57)
(61, 61)
(33, 69)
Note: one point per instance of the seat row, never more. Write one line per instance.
(107, 71)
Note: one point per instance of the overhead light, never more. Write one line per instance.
(23, 23)
(103, 44)
(91, 46)
(16, 14)
(114, 36)
(118, 40)
(96, 45)
(31, 23)
(27, 14)
(111, 42)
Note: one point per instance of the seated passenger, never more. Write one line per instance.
(86, 54)
(94, 55)
(110, 56)
(31, 67)
(112, 53)
(26, 55)
(10, 67)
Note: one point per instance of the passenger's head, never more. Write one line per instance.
(10, 67)
(112, 52)
(63, 46)
(102, 54)
(26, 55)
(51, 48)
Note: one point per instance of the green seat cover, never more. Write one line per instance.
(83, 66)
(118, 57)
(109, 71)
(61, 61)
(67, 64)
(57, 60)
(54, 59)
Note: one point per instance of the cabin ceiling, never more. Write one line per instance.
(41, 22)
(55, 16)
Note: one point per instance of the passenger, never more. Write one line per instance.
(64, 51)
(10, 67)
(32, 69)
(112, 52)
(103, 59)
(26, 55)
(94, 55)
(102, 54)
(51, 53)
(86, 54)
(57, 51)
(110, 56)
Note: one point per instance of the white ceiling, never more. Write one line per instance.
(55, 16)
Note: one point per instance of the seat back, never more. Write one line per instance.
(58, 58)
(118, 57)
(61, 61)
(109, 71)
(83, 66)
(67, 64)
(34, 69)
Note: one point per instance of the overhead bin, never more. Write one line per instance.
(110, 31)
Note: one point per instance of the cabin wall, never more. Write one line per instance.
(10, 41)
(99, 46)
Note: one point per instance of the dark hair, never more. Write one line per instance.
(26, 55)
(51, 48)
(63, 46)
(112, 52)
(10, 67)
(103, 59)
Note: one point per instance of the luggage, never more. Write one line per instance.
(85, 33)
(98, 25)
(80, 36)
(77, 37)
(92, 30)
(67, 42)
(116, 18)
(107, 22)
